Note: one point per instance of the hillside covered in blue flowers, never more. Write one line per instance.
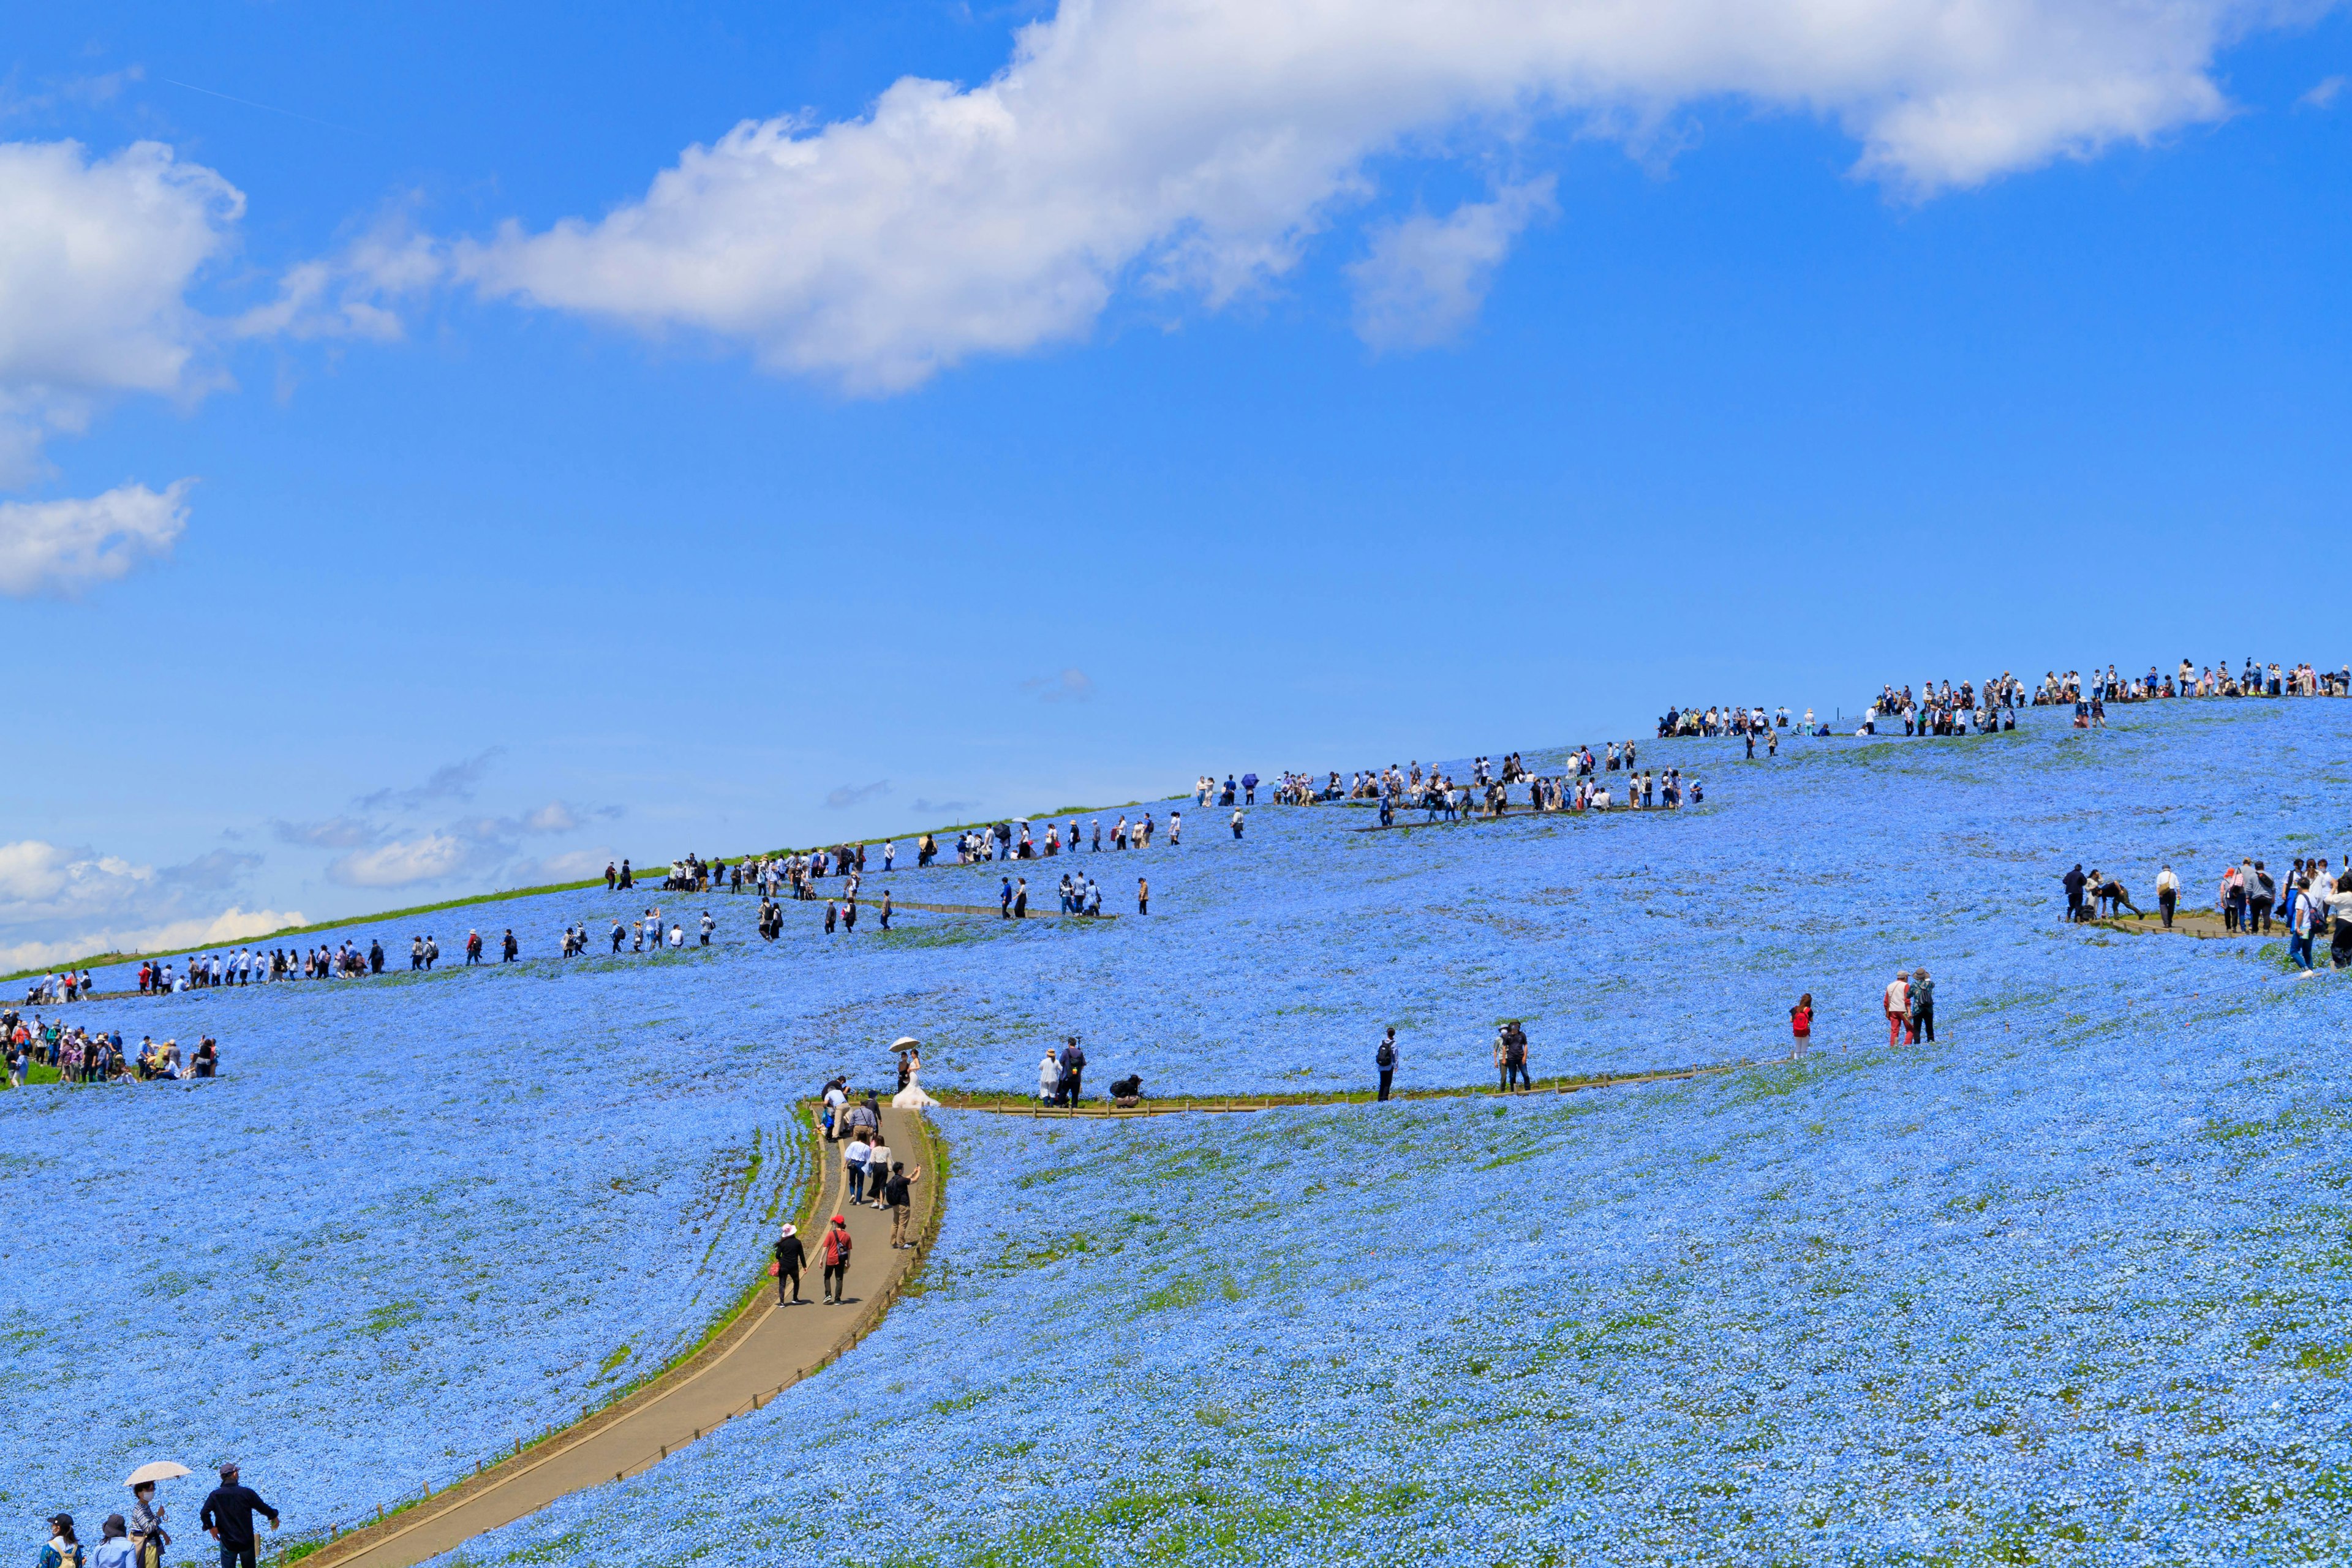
(2067, 1285)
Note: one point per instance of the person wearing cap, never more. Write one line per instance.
(63, 1549)
(790, 1256)
(834, 1250)
(227, 1516)
(114, 1551)
(1898, 1007)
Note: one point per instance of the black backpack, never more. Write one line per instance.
(1386, 1056)
(1077, 1060)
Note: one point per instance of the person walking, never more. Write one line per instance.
(1021, 900)
(1923, 1006)
(791, 1255)
(2168, 895)
(885, 909)
(1384, 1056)
(1898, 998)
(2301, 921)
(227, 1517)
(1142, 897)
(895, 1198)
(855, 1156)
(1049, 1079)
(835, 1252)
(878, 1171)
(1005, 901)
(1800, 1024)
(2073, 881)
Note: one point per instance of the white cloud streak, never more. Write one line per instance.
(64, 546)
(1201, 143)
(427, 857)
(1426, 277)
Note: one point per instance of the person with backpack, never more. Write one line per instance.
(473, 947)
(1800, 1024)
(790, 1256)
(64, 1551)
(1074, 1067)
(1385, 1058)
(834, 1253)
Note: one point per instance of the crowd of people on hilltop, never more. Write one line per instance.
(80, 1054)
(2190, 680)
(1724, 720)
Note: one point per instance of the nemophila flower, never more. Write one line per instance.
(2065, 1286)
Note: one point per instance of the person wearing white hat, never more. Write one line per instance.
(790, 1256)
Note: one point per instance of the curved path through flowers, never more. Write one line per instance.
(768, 1348)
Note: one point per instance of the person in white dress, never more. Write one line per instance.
(912, 1096)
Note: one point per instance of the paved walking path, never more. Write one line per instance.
(769, 1348)
(763, 1352)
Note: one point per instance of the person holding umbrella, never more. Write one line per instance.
(229, 1516)
(148, 1536)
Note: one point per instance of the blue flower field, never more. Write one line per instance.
(2066, 1286)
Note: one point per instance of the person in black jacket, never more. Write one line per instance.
(2074, 880)
(790, 1256)
(229, 1516)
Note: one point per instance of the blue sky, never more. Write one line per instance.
(1205, 396)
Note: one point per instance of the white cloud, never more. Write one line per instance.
(2325, 95)
(425, 858)
(333, 833)
(553, 817)
(571, 866)
(1072, 684)
(63, 546)
(47, 881)
(84, 903)
(1200, 144)
(96, 259)
(845, 795)
(1425, 277)
(232, 924)
(355, 293)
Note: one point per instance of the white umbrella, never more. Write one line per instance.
(161, 1470)
(904, 1041)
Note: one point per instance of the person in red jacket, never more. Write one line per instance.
(1800, 1024)
(834, 1250)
